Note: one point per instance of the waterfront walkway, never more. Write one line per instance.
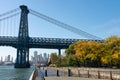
(51, 75)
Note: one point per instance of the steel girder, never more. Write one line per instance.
(22, 60)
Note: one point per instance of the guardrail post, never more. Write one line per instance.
(57, 72)
(45, 73)
(111, 75)
(98, 74)
(88, 74)
(69, 72)
(78, 73)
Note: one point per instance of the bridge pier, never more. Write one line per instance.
(22, 60)
(25, 65)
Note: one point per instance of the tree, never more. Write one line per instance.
(70, 50)
(113, 45)
(89, 53)
(72, 59)
(81, 50)
(53, 58)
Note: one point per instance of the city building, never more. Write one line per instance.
(39, 59)
(35, 57)
(8, 58)
(1, 59)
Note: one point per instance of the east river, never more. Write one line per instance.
(11, 73)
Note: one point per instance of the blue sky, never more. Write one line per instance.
(97, 17)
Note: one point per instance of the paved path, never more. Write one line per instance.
(52, 76)
(39, 78)
(49, 73)
(41, 74)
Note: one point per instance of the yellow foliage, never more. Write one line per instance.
(106, 52)
(91, 56)
(104, 60)
(115, 56)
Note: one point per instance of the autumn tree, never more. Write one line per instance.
(53, 58)
(113, 50)
(72, 60)
(97, 54)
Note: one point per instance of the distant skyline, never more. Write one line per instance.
(98, 17)
(7, 58)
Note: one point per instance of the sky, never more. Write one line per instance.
(97, 17)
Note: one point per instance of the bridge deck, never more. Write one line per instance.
(39, 42)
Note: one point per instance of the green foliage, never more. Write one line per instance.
(58, 60)
(53, 58)
(70, 50)
(71, 61)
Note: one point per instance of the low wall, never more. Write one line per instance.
(100, 73)
(33, 75)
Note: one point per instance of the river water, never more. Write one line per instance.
(11, 73)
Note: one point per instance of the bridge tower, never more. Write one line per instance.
(22, 60)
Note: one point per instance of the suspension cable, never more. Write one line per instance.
(5, 23)
(9, 16)
(14, 25)
(63, 25)
(10, 28)
(9, 12)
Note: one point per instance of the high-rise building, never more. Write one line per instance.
(12, 59)
(41, 58)
(35, 53)
(35, 57)
(45, 56)
(1, 59)
(38, 57)
(8, 58)
(32, 58)
(5, 59)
